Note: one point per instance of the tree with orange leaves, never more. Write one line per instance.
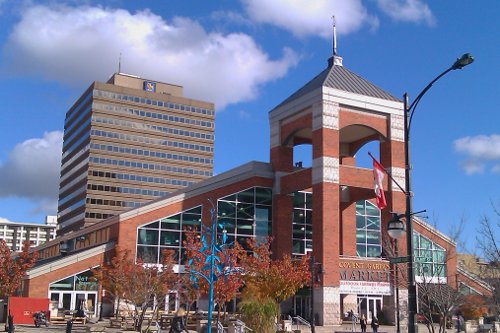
(269, 282)
(13, 267)
(474, 306)
(278, 279)
(143, 285)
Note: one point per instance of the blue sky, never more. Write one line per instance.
(247, 56)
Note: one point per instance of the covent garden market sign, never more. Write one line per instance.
(364, 277)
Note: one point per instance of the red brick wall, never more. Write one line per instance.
(39, 286)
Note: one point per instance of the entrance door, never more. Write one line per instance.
(66, 301)
(303, 306)
(369, 306)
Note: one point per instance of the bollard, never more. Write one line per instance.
(69, 325)
(10, 323)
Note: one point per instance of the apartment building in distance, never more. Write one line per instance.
(127, 142)
(16, 233)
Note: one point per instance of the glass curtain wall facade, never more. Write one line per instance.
(430, 258)
(125, 145)
(166, 234)
(302, 223)
(246, 214)
(368, 230)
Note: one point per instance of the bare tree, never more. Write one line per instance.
(488, 243)
(437, 300)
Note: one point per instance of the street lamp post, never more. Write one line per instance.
(314, 278)
(409, 111)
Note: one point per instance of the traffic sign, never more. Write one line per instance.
(399, 260)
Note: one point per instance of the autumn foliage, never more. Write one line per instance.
(13, 267)
(278, 279)
(138, 283)
(225, 286)
(473, 307)
(268, 282)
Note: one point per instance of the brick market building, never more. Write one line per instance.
(327, 209)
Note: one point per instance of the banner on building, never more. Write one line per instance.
(365, 287)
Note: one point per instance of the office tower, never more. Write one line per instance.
(129, 141)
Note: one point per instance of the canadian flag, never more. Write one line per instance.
(378, 177)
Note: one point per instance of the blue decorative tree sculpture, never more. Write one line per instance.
(213, 267)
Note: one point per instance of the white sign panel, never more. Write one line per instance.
(365, 287)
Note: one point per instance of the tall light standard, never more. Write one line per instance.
(460, 63)
(396, 229)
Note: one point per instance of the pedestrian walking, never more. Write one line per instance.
(374, 324)
(354, 320)
(179, 322)
(460, 323)
(362, 322)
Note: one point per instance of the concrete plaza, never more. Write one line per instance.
(319, 329)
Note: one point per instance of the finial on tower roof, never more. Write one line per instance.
(334, 59)
(334, 36)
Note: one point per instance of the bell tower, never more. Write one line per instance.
(336, 113)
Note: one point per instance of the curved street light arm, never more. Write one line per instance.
(413, 105)
(460, 63)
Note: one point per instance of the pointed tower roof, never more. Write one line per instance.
(339, 77)
(336, 76)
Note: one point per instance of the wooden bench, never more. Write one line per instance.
(79, 320)
(115, 322)
(154, 327)
(59, 320)
(127, 324)
(485, 328)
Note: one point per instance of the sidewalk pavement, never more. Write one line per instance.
(318, 329)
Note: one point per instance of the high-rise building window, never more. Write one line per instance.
(368, 236)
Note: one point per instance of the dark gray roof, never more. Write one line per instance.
(339, 77)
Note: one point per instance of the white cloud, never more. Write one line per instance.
(3, 219)
(306, 17)
(471, 167)
(479, 150)
(407, 11)
(32, 171)
(82, 44)
(496, 169)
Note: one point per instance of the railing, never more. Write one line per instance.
(220, 328)
(300, 320)
(241, 324)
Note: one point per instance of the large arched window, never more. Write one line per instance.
(368, 238)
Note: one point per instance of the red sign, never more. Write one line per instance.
(22, 308)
